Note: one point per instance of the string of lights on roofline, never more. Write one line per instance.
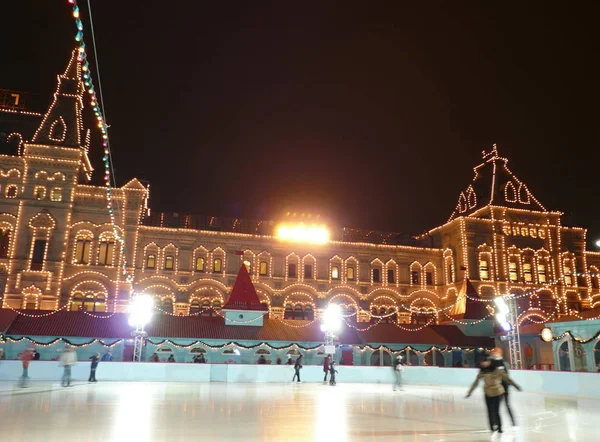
(103, 126)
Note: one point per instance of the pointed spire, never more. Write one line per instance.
(62, 124)
(243, 295)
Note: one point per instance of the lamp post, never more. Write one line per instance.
(507, 317)
(331, 324)
(141, 308)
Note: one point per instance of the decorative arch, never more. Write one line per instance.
(351, 270)
(82, 247)
(422, 310)
(31, 297)
(88, 295)
(151, 257)
(449, 272)
(200, 260)
(264, 265)
(299, 305)
(462, 203)
(309, 260)
(218, 259)
(58, 130)
(292, 264)
(471, 197)
(524, 195)
(510, 193)
(336, 269)
(392, 272)
(430, 268)
(416, 273)
(376, 271)
(170, 258)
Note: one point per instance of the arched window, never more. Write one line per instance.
(169, 262)
(200, 264)
(151, 261)
(100, 304)
(335, 272)
(391, 279)
(206, 308)
(541, 269)
(217, 265)
(288, 313)
(484, 269)
(350, 274)
(11, 191)
(4, 242)
(563, 357)
(106, 251)
(39, 193)
(167, 305)
(216, 305)
(298, 312)
(376, 275)
(76, 303)
(83, 246)
(195, 307)
(56, 194)
(510, 193)
(263, 269)
(309, 313)
(88, 303)
(513, 272)
(415, 277)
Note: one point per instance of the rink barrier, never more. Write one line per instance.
(562, 383)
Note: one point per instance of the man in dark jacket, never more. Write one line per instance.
(297, 368)
(500, 364)
(326, 367)
(95, 361)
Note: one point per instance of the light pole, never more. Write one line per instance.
(507, 317)
(141, 308)
(331, 323)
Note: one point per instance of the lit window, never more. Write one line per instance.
(512, 271)
(542, 273)
(200, 264)
(292, 271)
(376, 275)
(106, 252)
(484, 270)
(414, 277)
(151, 261)
(390, 276)
(527, 272)
(4, 242)
(82, 250)
(218, 265)
(308, 271)
(11, 191)
(568, 275)
(39, 192)
(429, 278)
(263, 268)
(56, 194)
(100, 304)
(169, 262)
(350, 273)
(76, 303)
(335, 272)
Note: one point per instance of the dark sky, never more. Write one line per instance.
(371, 112)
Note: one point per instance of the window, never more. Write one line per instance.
(169, 262)
(11, 191)
(263, 268)
(414, 277)
(376, 275)
(594, 281)
(308, 271)
(56, 194)
(512, 271)
(167, 305)
(527, 272)
(429, 278)
(4, 243)
(82, 250)
(484, 270)
(100, 304)
(542, 273)
(292, 271)
(199, 264)
(390, 276)
(195, 307)
(335, 272)
(218, 265)
(151, 261)
(76, 303)
(568, 275)
(37, 258)
(30, 303)
(350, 273)
(39, 193)
(106, 252)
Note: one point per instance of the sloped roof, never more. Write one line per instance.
(7, 316)
(243, 295)
(439, 335)
(467, 305)
(494, 184)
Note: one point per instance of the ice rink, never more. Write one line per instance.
(137, 412)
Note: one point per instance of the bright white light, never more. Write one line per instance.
(332, 318)
(141, 309)
(501, 318)
(502, 305)
(303, 233)
(506, 326)
(598, 243)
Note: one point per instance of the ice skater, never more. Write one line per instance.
(95, 361)
(494, 391)
(67, 360)
(332, 372)
(325, 368)
(500, 364)
(398, 369)
(26, 357)
(297, 368)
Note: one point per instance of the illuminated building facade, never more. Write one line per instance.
(58, 248)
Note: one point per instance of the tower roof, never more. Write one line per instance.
(474, 308)
(243, 295)
(62, 124)
(495, 184)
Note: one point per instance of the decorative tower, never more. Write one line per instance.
(243, 306)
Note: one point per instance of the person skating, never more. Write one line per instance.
(26, 357)
(95, 361)
(398, 369)
(332, 372)
(262, 360)
(325, 368)
(67, 360)
(107, 357)
(297, 368)
(500, 364)
(493, 390)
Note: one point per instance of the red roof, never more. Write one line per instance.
(474, 309)
(432, 335)
(243, 295)
(6, 317)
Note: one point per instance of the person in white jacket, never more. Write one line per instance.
(67, 360)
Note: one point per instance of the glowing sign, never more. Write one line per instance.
(303, 233)
(519, 230)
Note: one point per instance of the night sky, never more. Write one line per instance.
(372, 113)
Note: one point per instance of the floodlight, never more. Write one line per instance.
(502, 305)
(506, 326)
(598, 243)
(546, 334)
(141, 309)
(331, 318)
